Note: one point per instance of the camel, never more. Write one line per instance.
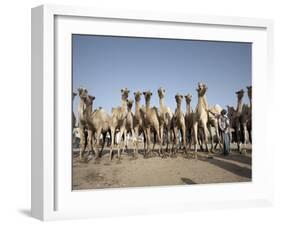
(151, 123)
(189, 118)
(166, 115)
(73, 115)
(201, 117)
(129, 126)
(139, 119)
(82, 123)
(179, 125)
(118, 121)
(213, 114)
(239, 120)
(98, 122)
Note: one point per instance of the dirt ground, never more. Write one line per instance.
(156, 171)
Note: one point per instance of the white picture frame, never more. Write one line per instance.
(52, 198)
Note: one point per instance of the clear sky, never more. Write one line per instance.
(104, 65)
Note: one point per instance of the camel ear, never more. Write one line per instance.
(79, 90)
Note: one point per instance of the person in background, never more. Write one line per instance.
(224, 128)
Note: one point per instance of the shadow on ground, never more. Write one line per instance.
(187, 180)
(219, 161)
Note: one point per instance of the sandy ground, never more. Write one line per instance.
(129, 172)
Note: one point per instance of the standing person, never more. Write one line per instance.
(224, 128)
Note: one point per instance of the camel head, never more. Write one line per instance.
(89, 100)
(130, 104)
(125, 93)
(137, 95)
(188, 98)
(178, 98)
(202, 88)
(240, 94)
(161, 92)
(147, 95)
(83, 93)
(249, 89)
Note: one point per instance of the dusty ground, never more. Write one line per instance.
(158, 171)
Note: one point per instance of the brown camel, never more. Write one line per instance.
(82, 123)
(189, 119)
(118, 121)
(98, 122)
(166, 115)
(129, 126)
(139, 119)
(151, 124)
(179, 125)
(240, 120)
(201, 117)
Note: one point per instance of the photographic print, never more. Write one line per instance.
(158, 112)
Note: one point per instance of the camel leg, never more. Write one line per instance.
(147, 153)
(103, 143)
(218, 137)
(125, 141)
(246, 138)
(184, 139)
(135, 153)
(82, 142)
(174, 151)
(90, 141)
(211, 136)
(112, 143)
(206, 138)
(122, 132)
(159, 140)
(195, 138)
(238, 138)
(98, 134)
(136, 134)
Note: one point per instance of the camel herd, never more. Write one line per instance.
(171, 131)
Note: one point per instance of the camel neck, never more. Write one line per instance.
(147, 104)
(161, 102)
(88, 111)
(188, 108)
(81, 108)
(239, 105)
(137, 106)
(203, 102)
(178, 106)
(124, 104)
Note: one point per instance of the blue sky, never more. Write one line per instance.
(106, 64)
